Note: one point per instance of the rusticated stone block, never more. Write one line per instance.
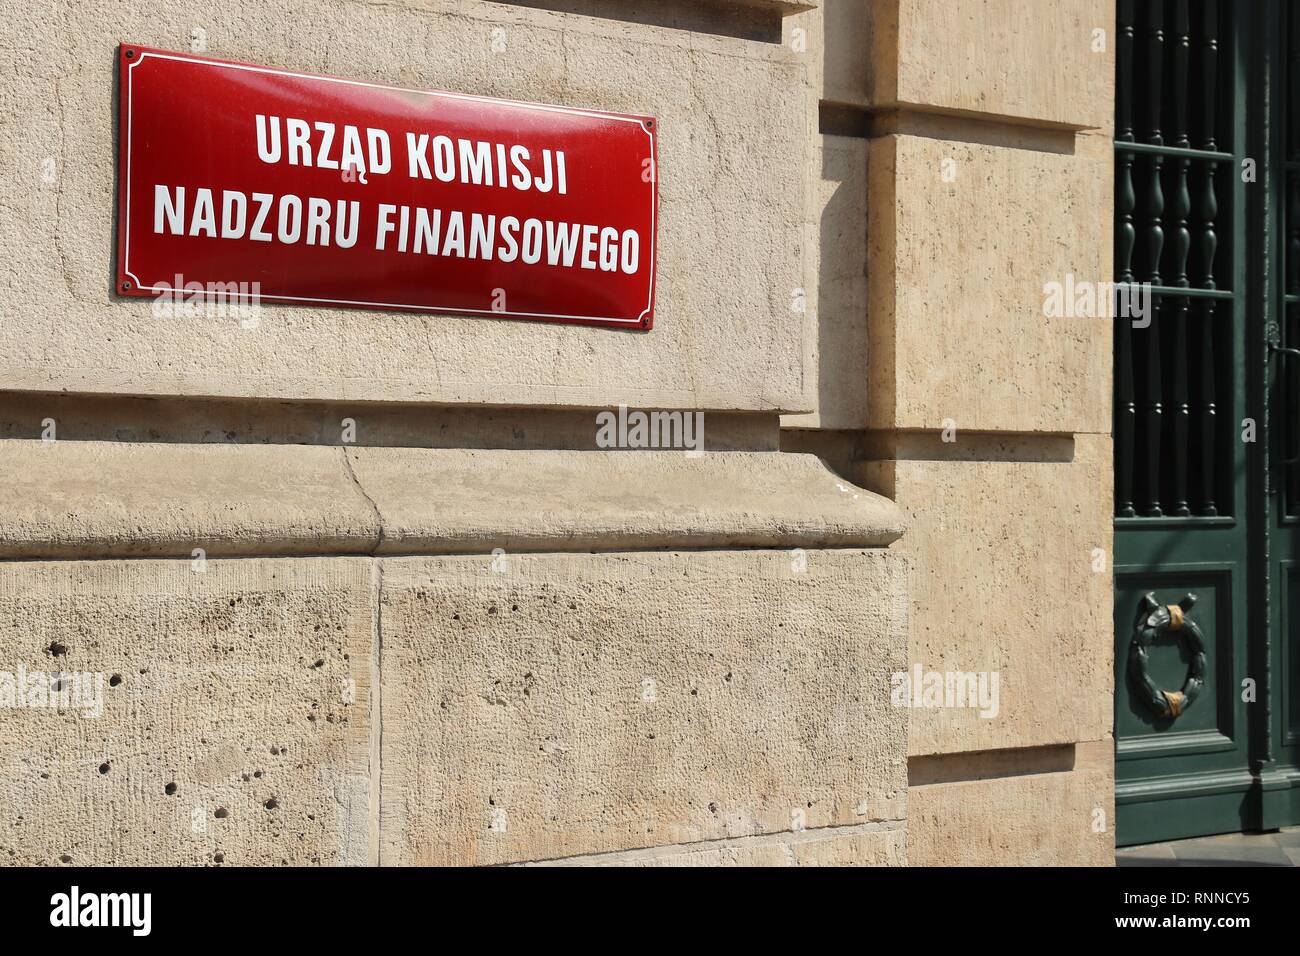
(560, 705)
(232, 717)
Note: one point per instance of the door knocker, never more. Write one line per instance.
(1153, 619)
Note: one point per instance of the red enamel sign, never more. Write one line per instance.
(315, 190)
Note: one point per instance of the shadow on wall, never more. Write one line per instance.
(842, 370)
(752, 21)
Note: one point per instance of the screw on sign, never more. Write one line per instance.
(334, 192)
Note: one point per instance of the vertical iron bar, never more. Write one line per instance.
(1155, 240)
(1180, 50)
(1208, 418)
(1125, 240)
(1207, 242)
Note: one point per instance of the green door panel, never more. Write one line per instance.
(1207, 410)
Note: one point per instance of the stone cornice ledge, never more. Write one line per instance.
(72, 499)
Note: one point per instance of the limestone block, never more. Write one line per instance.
(735, 118)
(994, 57)
(999, 587)
(562, 705)
(233, 716)
(1048, 819)
(963, 238)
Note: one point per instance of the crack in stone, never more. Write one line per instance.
(379, 517)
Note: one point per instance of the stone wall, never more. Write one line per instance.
(363, 589)
(980, 135)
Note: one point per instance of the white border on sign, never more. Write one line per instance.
(126, 256)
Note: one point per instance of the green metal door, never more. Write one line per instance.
(1206, 715)
(1280, 747)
